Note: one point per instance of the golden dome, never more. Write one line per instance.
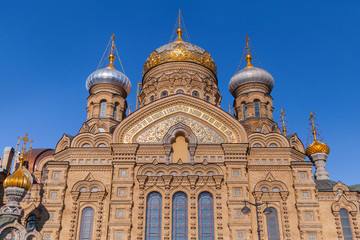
(18, 179)
(317, 147)
(179, 51)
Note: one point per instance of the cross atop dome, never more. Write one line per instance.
(180, 28)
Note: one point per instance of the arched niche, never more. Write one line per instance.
(174, 149)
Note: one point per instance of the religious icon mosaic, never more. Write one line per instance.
(203, 133)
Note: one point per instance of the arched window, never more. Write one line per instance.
(206, 216)
(257, 108)
(87, 221)
(273, 145)
(164, 94)
(152, 98)
(94, 189)
(275, 189)
(30, 224)
(195, 94)
(257, 145)
(85, 145)
(179, 217)
(244, 110)
(345, 224)
(83, 189)
(207, 98)
(264, 189)
(153, 217)
(179, 91)
(115, 110)
(101, 145)
(272, 224)
(102, 108)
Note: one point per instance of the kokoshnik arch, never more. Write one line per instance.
(179, 167)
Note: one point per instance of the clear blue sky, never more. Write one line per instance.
(48, 48)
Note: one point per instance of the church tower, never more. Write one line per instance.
(253, 104)
(179, 68)
(108, 88)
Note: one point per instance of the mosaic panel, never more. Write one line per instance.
(203, 133)
(210, 120)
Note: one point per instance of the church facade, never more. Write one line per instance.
(179, 167)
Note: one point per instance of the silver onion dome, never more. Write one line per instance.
(250, 75)
(111, 76)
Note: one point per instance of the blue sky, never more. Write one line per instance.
(48, 48)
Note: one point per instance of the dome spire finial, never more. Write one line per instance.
(248, 57)
(311, 119)
(111, 54)
(179, 30)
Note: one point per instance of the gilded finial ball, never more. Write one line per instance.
(111, 57)
(317, 147)
(248, 57)
(179, 32)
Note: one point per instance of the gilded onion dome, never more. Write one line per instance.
(250, 74)
(316, 146)
(109, 75)
(179, 51)
(18, 179)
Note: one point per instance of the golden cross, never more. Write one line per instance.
(25, 140)
(247, 44)
(311, 119)
(282, 118)
(179, 18)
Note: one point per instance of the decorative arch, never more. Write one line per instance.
(92, 139)
(296, 143)
(266, 139)
(179, 128)
(270, 183)
(186, 167)
(64, 142)
(189, 106)
(343, 202)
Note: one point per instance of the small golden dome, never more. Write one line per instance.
(317, 147)
(18, 179)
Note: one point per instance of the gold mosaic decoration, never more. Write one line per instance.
(204, 134)
(211, 121)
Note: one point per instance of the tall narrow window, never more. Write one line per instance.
(152, 98)
(272, 224)
(116, 106)
(102, 109)
(87, 221)
(206, 216)
(257, 108)
(345, 223)
(153, 217)
(31, 222)
(267, 109)
(179, 217)
(244, 110)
